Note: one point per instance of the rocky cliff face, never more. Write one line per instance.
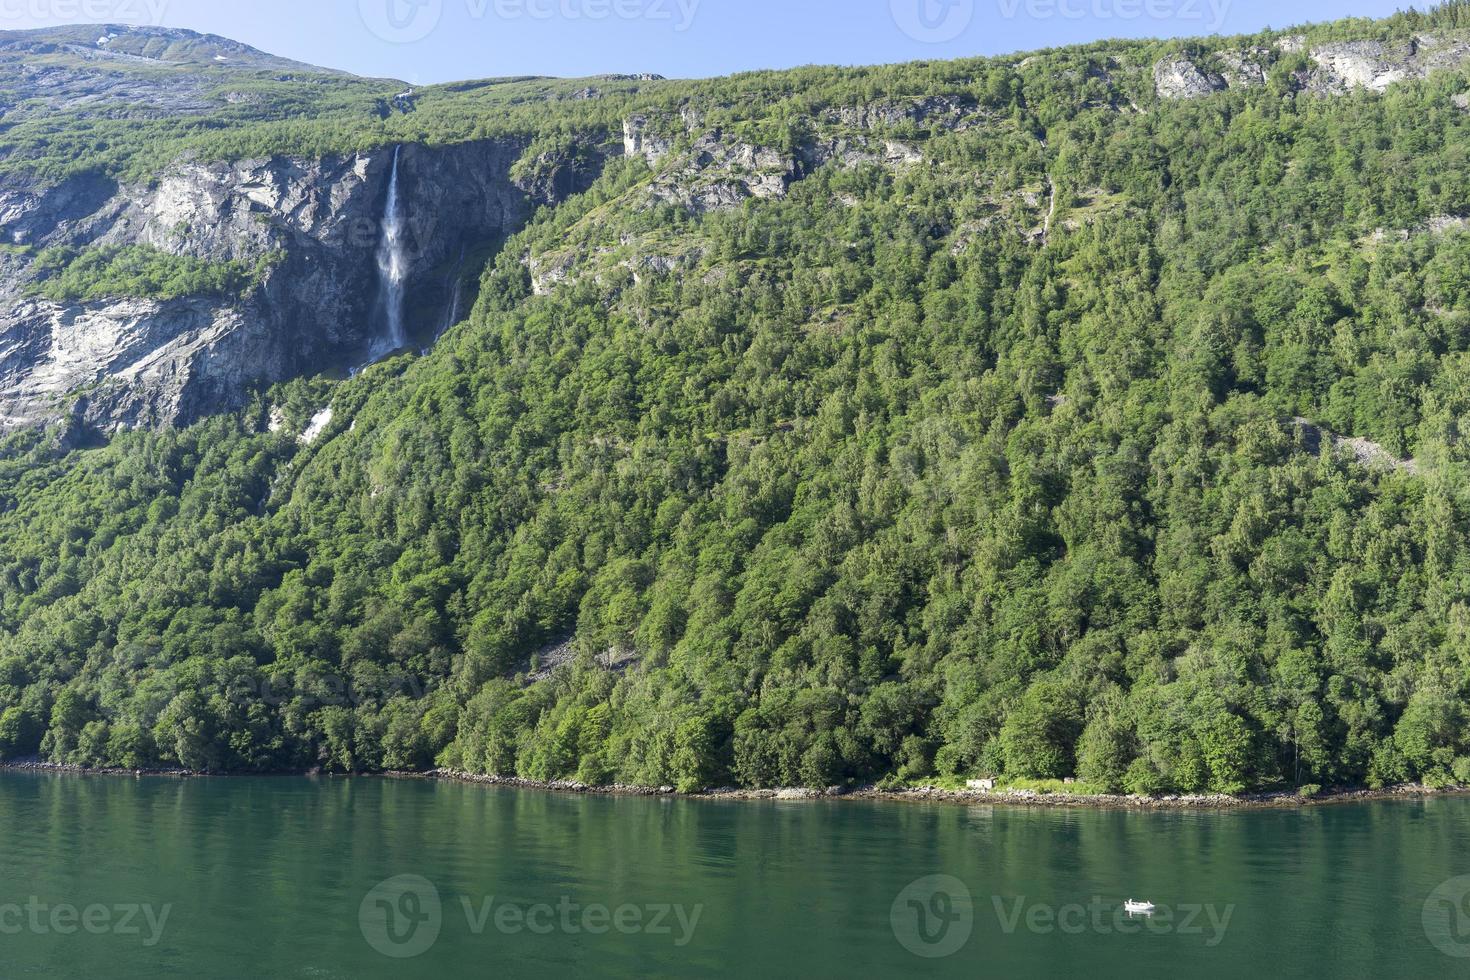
(317, 223)
(704, 169)
(1335, 67)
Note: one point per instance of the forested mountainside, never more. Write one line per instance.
(1098, 412)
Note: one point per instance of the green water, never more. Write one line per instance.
(106, 876)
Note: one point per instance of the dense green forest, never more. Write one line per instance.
(876, 482)
(137, 270)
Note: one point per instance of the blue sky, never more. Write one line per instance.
(443, 40)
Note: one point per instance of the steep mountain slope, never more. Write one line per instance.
(260, 261)
(1018, 415)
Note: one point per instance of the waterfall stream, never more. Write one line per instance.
(393, 265)
(456, 292)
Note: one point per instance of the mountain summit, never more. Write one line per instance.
(144, 45)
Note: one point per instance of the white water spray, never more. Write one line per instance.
(393, 264)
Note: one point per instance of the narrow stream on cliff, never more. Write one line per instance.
(392, 267)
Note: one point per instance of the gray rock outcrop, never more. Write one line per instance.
(1336, 67)
(1181, 78)
(640, 141)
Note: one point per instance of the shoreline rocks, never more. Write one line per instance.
(932, 794)
(870, 793)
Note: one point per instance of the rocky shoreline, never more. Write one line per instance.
(933, 794)
(922, 794)
(37, 765)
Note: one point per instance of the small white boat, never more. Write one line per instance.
(1138, 908)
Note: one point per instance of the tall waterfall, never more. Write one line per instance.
(393, 265)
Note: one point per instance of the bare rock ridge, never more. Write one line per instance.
(1334, 68)
(160, 45)
(124, 72)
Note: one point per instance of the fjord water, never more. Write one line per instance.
(283, 877)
